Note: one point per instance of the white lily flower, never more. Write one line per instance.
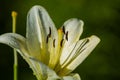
(52, 54)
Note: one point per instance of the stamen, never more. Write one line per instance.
(47, 39)
(54, 43)
(63, 28)
(61, 43)
(49, 32)
(66, 35)
(49, 35)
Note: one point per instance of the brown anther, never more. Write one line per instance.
(54, 43)
(63, 28)
(47, 39)
(61, 43)
(49, 32)
(49, 35)
(66, 35)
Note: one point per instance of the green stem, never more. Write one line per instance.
(15, 66)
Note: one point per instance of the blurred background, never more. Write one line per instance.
(101, 18)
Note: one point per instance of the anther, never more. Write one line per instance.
(66, 35)
(61, 43)
(54, 43)
(63, 28)
(49, 35)
(47, 39)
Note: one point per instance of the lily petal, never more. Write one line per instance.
(80, 51)
(19, 43)
(39, 28)
(42, 71)
(73, 29)
(72, 77)
(45, 73)
(15, 41)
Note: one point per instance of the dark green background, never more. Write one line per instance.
(101, 18)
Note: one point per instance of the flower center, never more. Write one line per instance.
(55, 47)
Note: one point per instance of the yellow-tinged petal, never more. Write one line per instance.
(39, 28)
(43, 71)
(72, 77)
(73, 29)
(80, 51)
